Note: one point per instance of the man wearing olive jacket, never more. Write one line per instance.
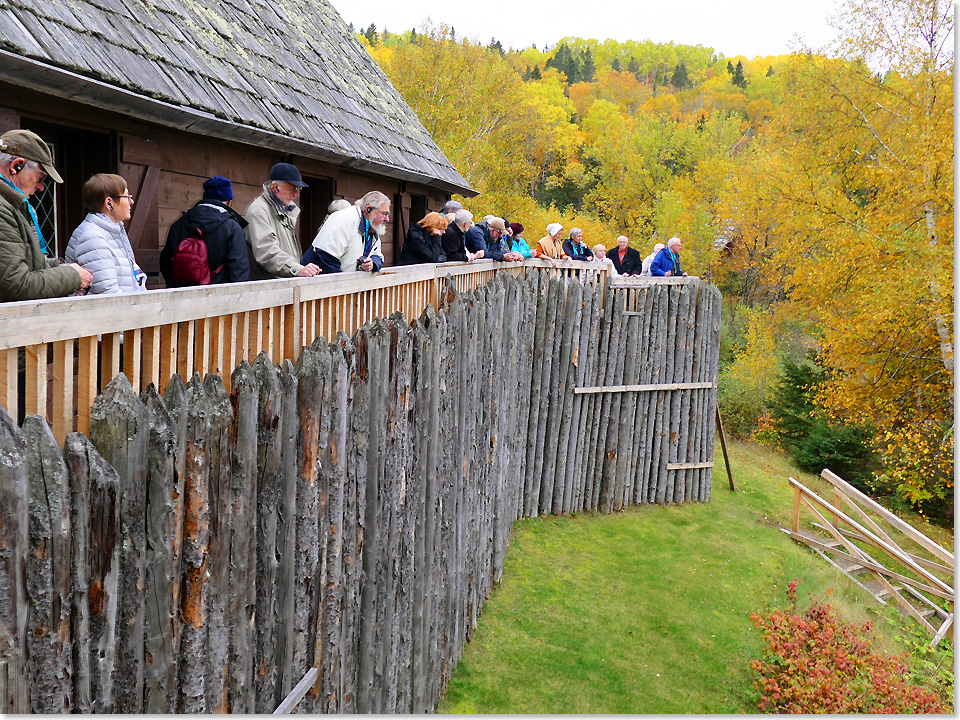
(25, 271)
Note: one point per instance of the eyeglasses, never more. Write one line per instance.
(128, 196)
(36, 166)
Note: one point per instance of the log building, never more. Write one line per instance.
(169, 92)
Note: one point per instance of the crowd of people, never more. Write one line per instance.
(213, 243)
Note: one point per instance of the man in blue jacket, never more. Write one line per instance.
(667, 261)
(488, 236)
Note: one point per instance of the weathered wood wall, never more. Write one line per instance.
(203, 550)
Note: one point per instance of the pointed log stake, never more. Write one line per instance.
(14, 610)
(120, 430)
(242, 595)
(163, 561)
(220, 452)
(191, 697)
(48, 571)
(95, 559)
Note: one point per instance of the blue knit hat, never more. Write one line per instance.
(218, 188)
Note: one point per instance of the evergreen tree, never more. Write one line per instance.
(770, 71)
(729, 68)
(371, 34)
(536, 74)
(633, 67)
(564, 61)
(680, 78)
(615, 64)
(413, 36)
(351, 28)
(738, 79)
(495, 45)
(587, 67)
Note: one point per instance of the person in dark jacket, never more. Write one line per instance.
(423, 241)
(626, 260)
(222, 230)
(667, 261)
(452, 240)
(575, 247)
(487, 236)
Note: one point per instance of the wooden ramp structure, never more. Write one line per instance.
(870, 545)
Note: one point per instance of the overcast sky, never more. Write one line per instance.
(732, 27)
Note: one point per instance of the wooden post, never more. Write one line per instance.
(286, 533)
(164, 522)
(14, 540)
(243, 546)
(270, 484)
(48, 571)
(723, 445)
(95, 547)
(220, 439)
(120, 430)
(312, 372)
(191, 695)
(62, 389)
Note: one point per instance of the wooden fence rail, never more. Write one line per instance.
(57, 355)
(347, 509)
(853, 526)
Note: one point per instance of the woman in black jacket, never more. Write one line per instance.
(423, 241)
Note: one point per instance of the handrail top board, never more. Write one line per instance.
(57, 319)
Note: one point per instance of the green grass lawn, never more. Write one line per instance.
(646, 611)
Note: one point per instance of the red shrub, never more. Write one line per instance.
(816, 663)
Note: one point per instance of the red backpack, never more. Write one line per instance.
(190, 263)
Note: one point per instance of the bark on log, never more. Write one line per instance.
(120, 430)
(14, 528)
(269, 491)
(242, 595)
(191, 681)
(287, 535)
(48, 571)
(220, 452)
(164, 529)
(95, 560)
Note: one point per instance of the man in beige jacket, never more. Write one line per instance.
(272, 227)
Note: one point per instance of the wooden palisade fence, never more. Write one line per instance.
(201, 549)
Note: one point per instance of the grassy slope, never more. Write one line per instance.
(647, 611)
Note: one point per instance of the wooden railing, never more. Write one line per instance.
(57, 355)
(921, 586)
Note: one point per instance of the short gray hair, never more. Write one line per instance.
(338, 204)
(374, 198)
(462, 217)
(673, 241)
(575, 231)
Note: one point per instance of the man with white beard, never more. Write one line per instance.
(349, 240)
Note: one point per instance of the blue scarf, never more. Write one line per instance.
(675, 259)
(369, 235)
(33, 215)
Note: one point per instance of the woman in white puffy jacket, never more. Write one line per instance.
(100, 242)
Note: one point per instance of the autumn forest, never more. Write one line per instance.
(815, 189)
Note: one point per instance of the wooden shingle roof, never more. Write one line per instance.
(289, 76)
